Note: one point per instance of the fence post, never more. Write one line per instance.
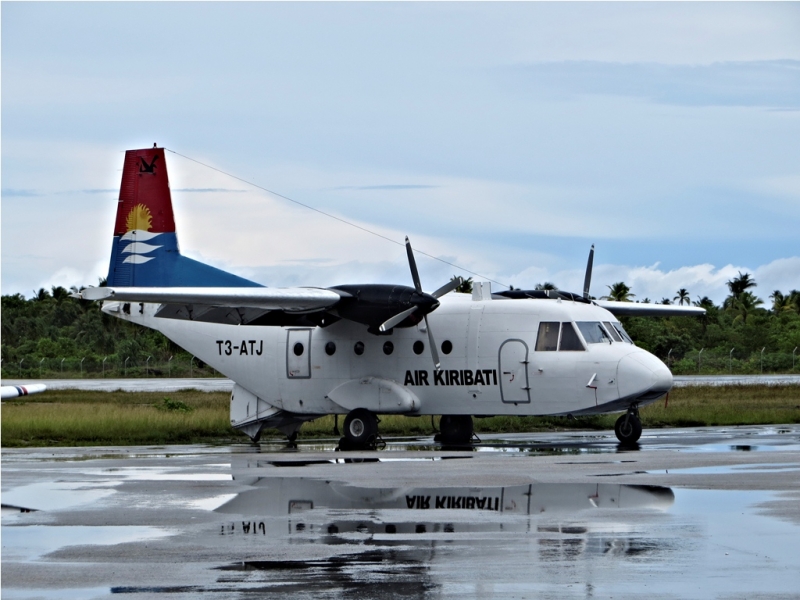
(762, 359)
(127, 358)
(700, 360)
(104, 366)
(62, 366)
(83, 359)
(793, 351)
(730, 360)
(668, 356)
(147, 366)
(169, 368)
(20, 367)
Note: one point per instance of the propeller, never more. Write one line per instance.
(587, 281)
(432, 304)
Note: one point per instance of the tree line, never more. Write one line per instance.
(52, 333)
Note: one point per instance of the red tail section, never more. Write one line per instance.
(145, 203)
(145, 249)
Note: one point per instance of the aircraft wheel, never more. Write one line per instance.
(360, 427)
(456, 429)
(628, 428)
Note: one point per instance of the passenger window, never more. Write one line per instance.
(623, 333)
(593, 332)
(610, 329)
(569, 339)
(548, 336)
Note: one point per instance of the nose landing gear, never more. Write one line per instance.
(628, 427)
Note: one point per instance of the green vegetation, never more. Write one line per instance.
(78, 418)
(53, 335)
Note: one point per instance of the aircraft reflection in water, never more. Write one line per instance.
(327, 509)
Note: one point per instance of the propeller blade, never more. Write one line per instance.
(413, 264)
(448, 287)
(398, 318)
(588, 279)
(432, 343)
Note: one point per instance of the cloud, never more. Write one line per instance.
(20, 193)
(771, 83)
(656, 283)
(207, 190)
(389, 187)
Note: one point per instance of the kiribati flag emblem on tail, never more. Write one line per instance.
(145, 249)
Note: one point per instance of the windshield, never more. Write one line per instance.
(622, 332)
(614, 333)
(593, 332)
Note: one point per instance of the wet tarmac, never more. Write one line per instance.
(693, 513)
(209, 384)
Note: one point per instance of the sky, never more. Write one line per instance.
(505, 138)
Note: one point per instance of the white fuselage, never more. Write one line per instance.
(493, 367)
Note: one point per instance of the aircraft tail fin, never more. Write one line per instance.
(145, 250)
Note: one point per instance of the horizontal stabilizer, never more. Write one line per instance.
(288, 299)
(638, 309)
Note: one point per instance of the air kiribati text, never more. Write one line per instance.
(452, 377)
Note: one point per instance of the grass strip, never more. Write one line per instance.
(85, 418)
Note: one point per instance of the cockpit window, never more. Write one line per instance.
(610, 329)
(593, 332)
(569, 339)
(623, 333)
(547, 341)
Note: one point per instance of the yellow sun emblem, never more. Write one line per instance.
(139, 218)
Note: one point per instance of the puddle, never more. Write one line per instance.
(728, 469)
(160, 474)
(209, 503)
(57, 495)
(54, 594)
(29, 542)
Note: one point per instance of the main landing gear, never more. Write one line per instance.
(629, 427)
(456, 430)
(360, 430)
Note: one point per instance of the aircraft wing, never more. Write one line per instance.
(285, 299)
(637, 309)
(13, 391)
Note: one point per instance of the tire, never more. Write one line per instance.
(360, 427)
(456, 429)
(628, 429)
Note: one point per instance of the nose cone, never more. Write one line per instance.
(640, 375)
(425, 302)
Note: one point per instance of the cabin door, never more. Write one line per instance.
(514, 385)
(298, 353)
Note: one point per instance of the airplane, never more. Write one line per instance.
(362, 350)
(14, 391)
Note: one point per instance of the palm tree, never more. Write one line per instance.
(780, 303)
(738, 286)
(682, 297)
(666, 301)
(704, 302)
(794, 300)
(546, 286)
(745, 304)
(619, 292)
(464, 288)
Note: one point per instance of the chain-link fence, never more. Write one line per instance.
(107, 367)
